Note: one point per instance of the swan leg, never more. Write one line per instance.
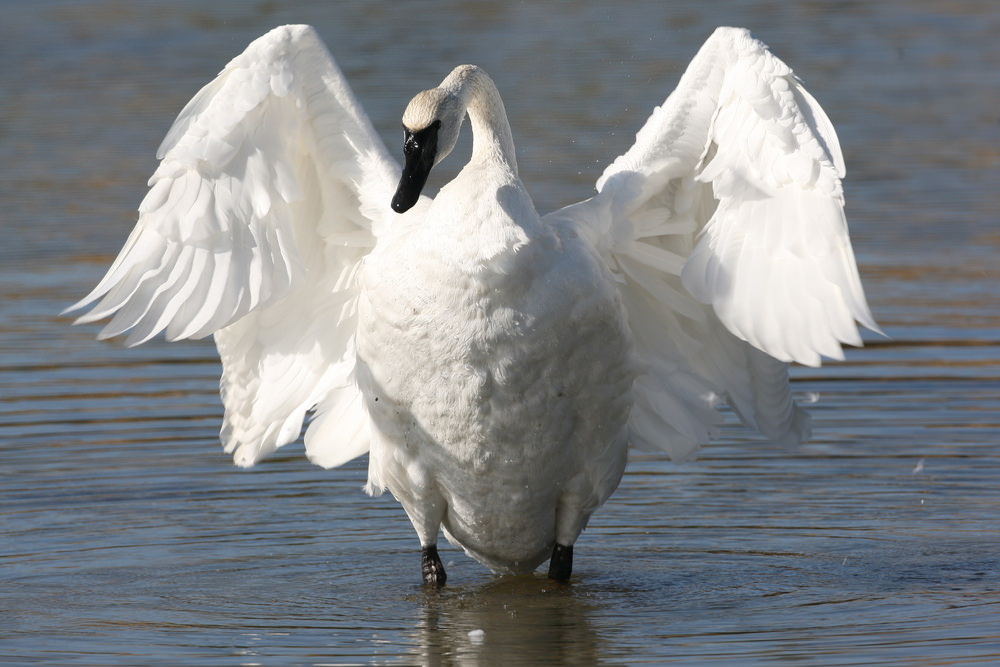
(561, 563)
(432, 567)
(426, 517)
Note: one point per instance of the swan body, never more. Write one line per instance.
(495, 364)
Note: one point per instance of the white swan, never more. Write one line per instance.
(494, 363)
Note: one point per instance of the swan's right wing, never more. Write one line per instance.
(724, 225)
(272, 188)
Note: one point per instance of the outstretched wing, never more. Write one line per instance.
(725, 226)
(272, 188)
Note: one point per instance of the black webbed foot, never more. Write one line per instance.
(561, 564)
(431, 567)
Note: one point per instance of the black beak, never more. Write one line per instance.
(419, 152)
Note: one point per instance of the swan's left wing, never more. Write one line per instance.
(724, 224)
(271, 190)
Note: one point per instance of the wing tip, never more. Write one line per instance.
(245, 455)
(867, 320)
(291, 32)
(79, 305)
(731, 31)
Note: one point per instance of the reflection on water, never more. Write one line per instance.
(515, 620)
(128, 537)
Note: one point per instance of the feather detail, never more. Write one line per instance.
(724, 225)
(271, 189)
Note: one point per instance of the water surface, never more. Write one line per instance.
(129, 537)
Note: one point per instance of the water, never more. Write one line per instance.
(129, 538)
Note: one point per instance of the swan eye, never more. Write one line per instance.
(414, 142)
(410, 143)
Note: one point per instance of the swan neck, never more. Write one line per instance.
(491, 136)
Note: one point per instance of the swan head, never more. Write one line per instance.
(431, 125)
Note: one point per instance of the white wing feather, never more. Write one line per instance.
(724, 224)
(272, 188)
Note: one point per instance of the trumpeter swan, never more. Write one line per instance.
(495, 364)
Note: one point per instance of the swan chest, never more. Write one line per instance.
(493, 391)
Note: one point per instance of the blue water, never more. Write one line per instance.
(129, 538)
